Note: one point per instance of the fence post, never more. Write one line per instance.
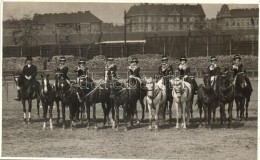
(80, 51)
(21, 51)
(122, 50)
(230, 47)
(40, 51)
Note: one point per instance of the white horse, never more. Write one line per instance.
(182, 94)
(155, 98)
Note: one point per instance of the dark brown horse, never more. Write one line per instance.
(98, 94)
(225, 92)
(47, 99)
(194, 86)
(243, 91)
(69, 98)
(169, 99)
(125, 96)
(28, 93)
(206, 99)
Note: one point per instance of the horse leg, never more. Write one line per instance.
(94, 116)
(150, 116)
(38, 107)
(88, 115)
(242, 108)
(164, 110)
(177, 115)
(222, 109)
(187, 109)
(125, 117)
(29, 111)
(45, 108)
(247, 104)
(63, 115)
(200, 111)
(105, 113)
(58, 111)
(209, 116)
(143, 108)
(117, 117)
(214, 112)
(238, 108)
(191, 110)
(156, 117)
(230, 107)
(50, 114)
(24, 111)
(170, 110)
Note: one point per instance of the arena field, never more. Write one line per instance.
(237, 142)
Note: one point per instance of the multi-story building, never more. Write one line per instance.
(237, 18)
(164, 17)
(67, 23)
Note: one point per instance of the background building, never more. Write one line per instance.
(237, 18)
(161, 17)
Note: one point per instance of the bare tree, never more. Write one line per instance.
(23, 29)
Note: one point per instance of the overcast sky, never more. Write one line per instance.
(107, 12)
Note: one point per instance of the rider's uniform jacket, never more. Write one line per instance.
(134, 70)
(30, 70)
(237, 67)
(165, 70)
(111, 71)
(184, 69)
(214, 69)
(81, 70)
(63, 69)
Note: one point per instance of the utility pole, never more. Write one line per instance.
(125, 47)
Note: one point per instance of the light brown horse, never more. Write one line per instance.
(156, 98)
(182, 95)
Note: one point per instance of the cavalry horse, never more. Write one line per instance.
(47, 99)
(206, 99)
(69, 98)
(125, 96)
(57, 97)
(194, 86)
(182, 94)
(225, 93)
(155, 99)
(27, 93)
(169, 99)
(243, 91)
(98, 94)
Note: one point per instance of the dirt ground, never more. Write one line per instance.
(19, 140)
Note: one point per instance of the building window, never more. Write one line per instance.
(184, 19)
(226, 23)
(188, 19)
(152, 27)
(166, 19)
(165, 27)
(238, 24)
(158, 19)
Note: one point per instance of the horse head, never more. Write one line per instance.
(178, 86)
(115, 87)
(45, 83)
(151, 86)
(65, 87)
(19, 79)
(206, 79)
(241, 80)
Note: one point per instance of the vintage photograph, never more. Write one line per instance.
(129, 80)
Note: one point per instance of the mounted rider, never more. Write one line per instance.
(81, 69)
(110, 69)
(29, 72)
(166, 71)
(134, 70)
(184, 73)
(214, 70)
(237, 65)
(63, 69)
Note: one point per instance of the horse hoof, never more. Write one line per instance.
(116, 129)
(200, 126)
(51, 128)
(30, 121)
(156, 127)
(125, 129)
(137, 122)
(150, 127)
(95, 128)
(43, 128)
(63, 127)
